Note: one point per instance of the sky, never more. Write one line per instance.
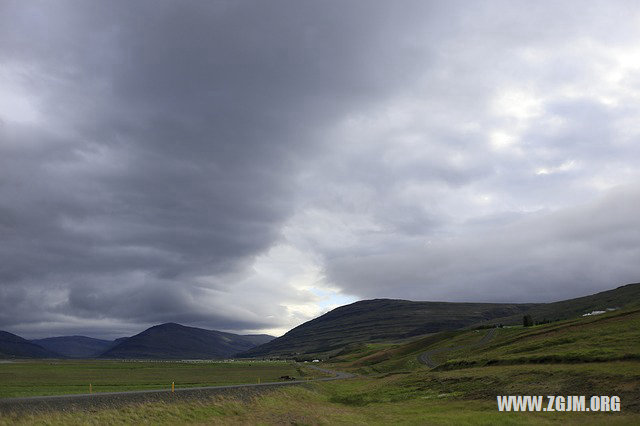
(248, 165)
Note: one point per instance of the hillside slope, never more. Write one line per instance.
(381, 319)
(75, 346)
(585, 355)
(175, 341)
(611, 337)
(623, 296)
(13, 346)
(614, 336)
(387, 320)
(258, 339)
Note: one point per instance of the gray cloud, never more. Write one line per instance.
(541, 257)
(244, 166)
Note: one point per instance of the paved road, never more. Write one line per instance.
(57, 402)
(426, 357)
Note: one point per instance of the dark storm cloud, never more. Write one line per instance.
(221, 163)
(159, 143)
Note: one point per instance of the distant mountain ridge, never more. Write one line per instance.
(13, 346)
(164, 341)
(75, 346)
(175, 341)
(258, 339)
(390, 319)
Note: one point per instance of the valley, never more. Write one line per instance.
(445, 377)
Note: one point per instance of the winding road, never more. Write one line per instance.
(426, 357)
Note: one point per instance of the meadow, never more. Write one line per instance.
(361, 401)
(57, 377)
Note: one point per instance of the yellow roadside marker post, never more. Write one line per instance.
(173, 387)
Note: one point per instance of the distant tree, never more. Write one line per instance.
(527, 321)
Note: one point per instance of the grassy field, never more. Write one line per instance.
(363, 401)
(30, 378)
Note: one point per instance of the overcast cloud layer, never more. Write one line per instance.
(245, 166)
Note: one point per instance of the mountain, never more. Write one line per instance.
(118, 341)
(12, 346)
(381, 319)
(389, 319)
(75, 346)
(623, 296)
(175, 341)
(258, 339)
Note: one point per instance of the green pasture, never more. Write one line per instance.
(30, 378)
(611, 337)
(396, 399)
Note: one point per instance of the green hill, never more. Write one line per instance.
(609, 337)
(623, 296)
(614, 336)
(592, 355)
(382, 320)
